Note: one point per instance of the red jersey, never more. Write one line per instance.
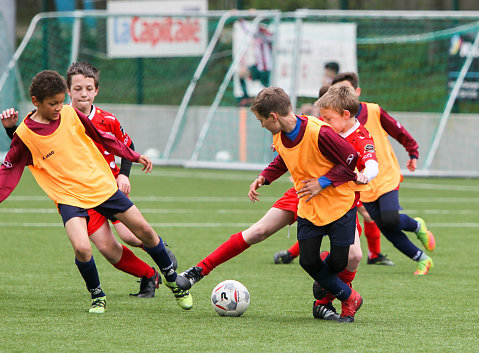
(363, 143)
(107, 122)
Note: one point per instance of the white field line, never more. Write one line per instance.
(210, 225)
(267, 199)
(219, 175)
(235, 211)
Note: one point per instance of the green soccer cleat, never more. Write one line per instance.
(424, 266)
(425, 236)
(98, 305)
(183, 297)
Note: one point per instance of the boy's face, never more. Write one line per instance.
(335, 119)
(271, 123)
(50, 107)
(82, 93)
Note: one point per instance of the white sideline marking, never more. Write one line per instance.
(235, 211)
(216, 225)
(157, 225)
(143, 210)
(269, 199)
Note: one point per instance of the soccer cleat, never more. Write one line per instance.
(325, 312)
(185, 280)
(350, 306)
(425, 236)
(424, 266)
(148, 285)
(380, 260)
(283, 257)
(98, 305)
(318, 291)
(183, 297)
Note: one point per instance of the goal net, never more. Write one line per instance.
(181, 84)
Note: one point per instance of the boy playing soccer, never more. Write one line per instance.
(57, 143)
(83, 84)
(306, 145)
(382, 200)
(281, 214)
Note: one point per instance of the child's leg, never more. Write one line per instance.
(272, 221)
(321, 272)
(118, 255)
(154, 246)
(76, 229)
(310, 237)
(385, 212)
(126, 235)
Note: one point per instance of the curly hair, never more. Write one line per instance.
(47, 84)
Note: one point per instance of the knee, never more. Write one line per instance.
(256, 234)
(83, 253)
(311, 264)
(390, 220)
(354, 259)
(336, 265)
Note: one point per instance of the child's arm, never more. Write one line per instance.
(12, 168)
(341, 153)
(400, 134)
(122, 179)
(272, 172)
(112, 144)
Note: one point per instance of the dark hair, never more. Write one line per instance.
(333, 66)
(85, 69)
(323, 90)
(271, 99)
(47, 84)
(340, 97)
(351, 77)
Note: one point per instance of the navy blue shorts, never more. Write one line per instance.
(118, 203)
(341, 232)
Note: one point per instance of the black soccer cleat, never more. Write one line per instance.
(283, 257)
(148, 286)
(185, 280)
(325, 312)
(380, 260)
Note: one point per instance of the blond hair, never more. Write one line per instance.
(339, 97)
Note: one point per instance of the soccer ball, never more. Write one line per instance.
(223, 156)
(230, 298)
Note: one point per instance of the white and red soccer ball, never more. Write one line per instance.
(230, 298)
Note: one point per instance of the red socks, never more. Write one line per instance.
(131, 264)
(373, 236)
(294, 249)
(346, 276)
(234, 246)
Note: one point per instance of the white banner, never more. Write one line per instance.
(133, 36)
(326, 48)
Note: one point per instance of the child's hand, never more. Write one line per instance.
(411, 164)
(123, 183)
(9, 118)
(148, 166)
(311, 187)
(253, 194)
(361, 179)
